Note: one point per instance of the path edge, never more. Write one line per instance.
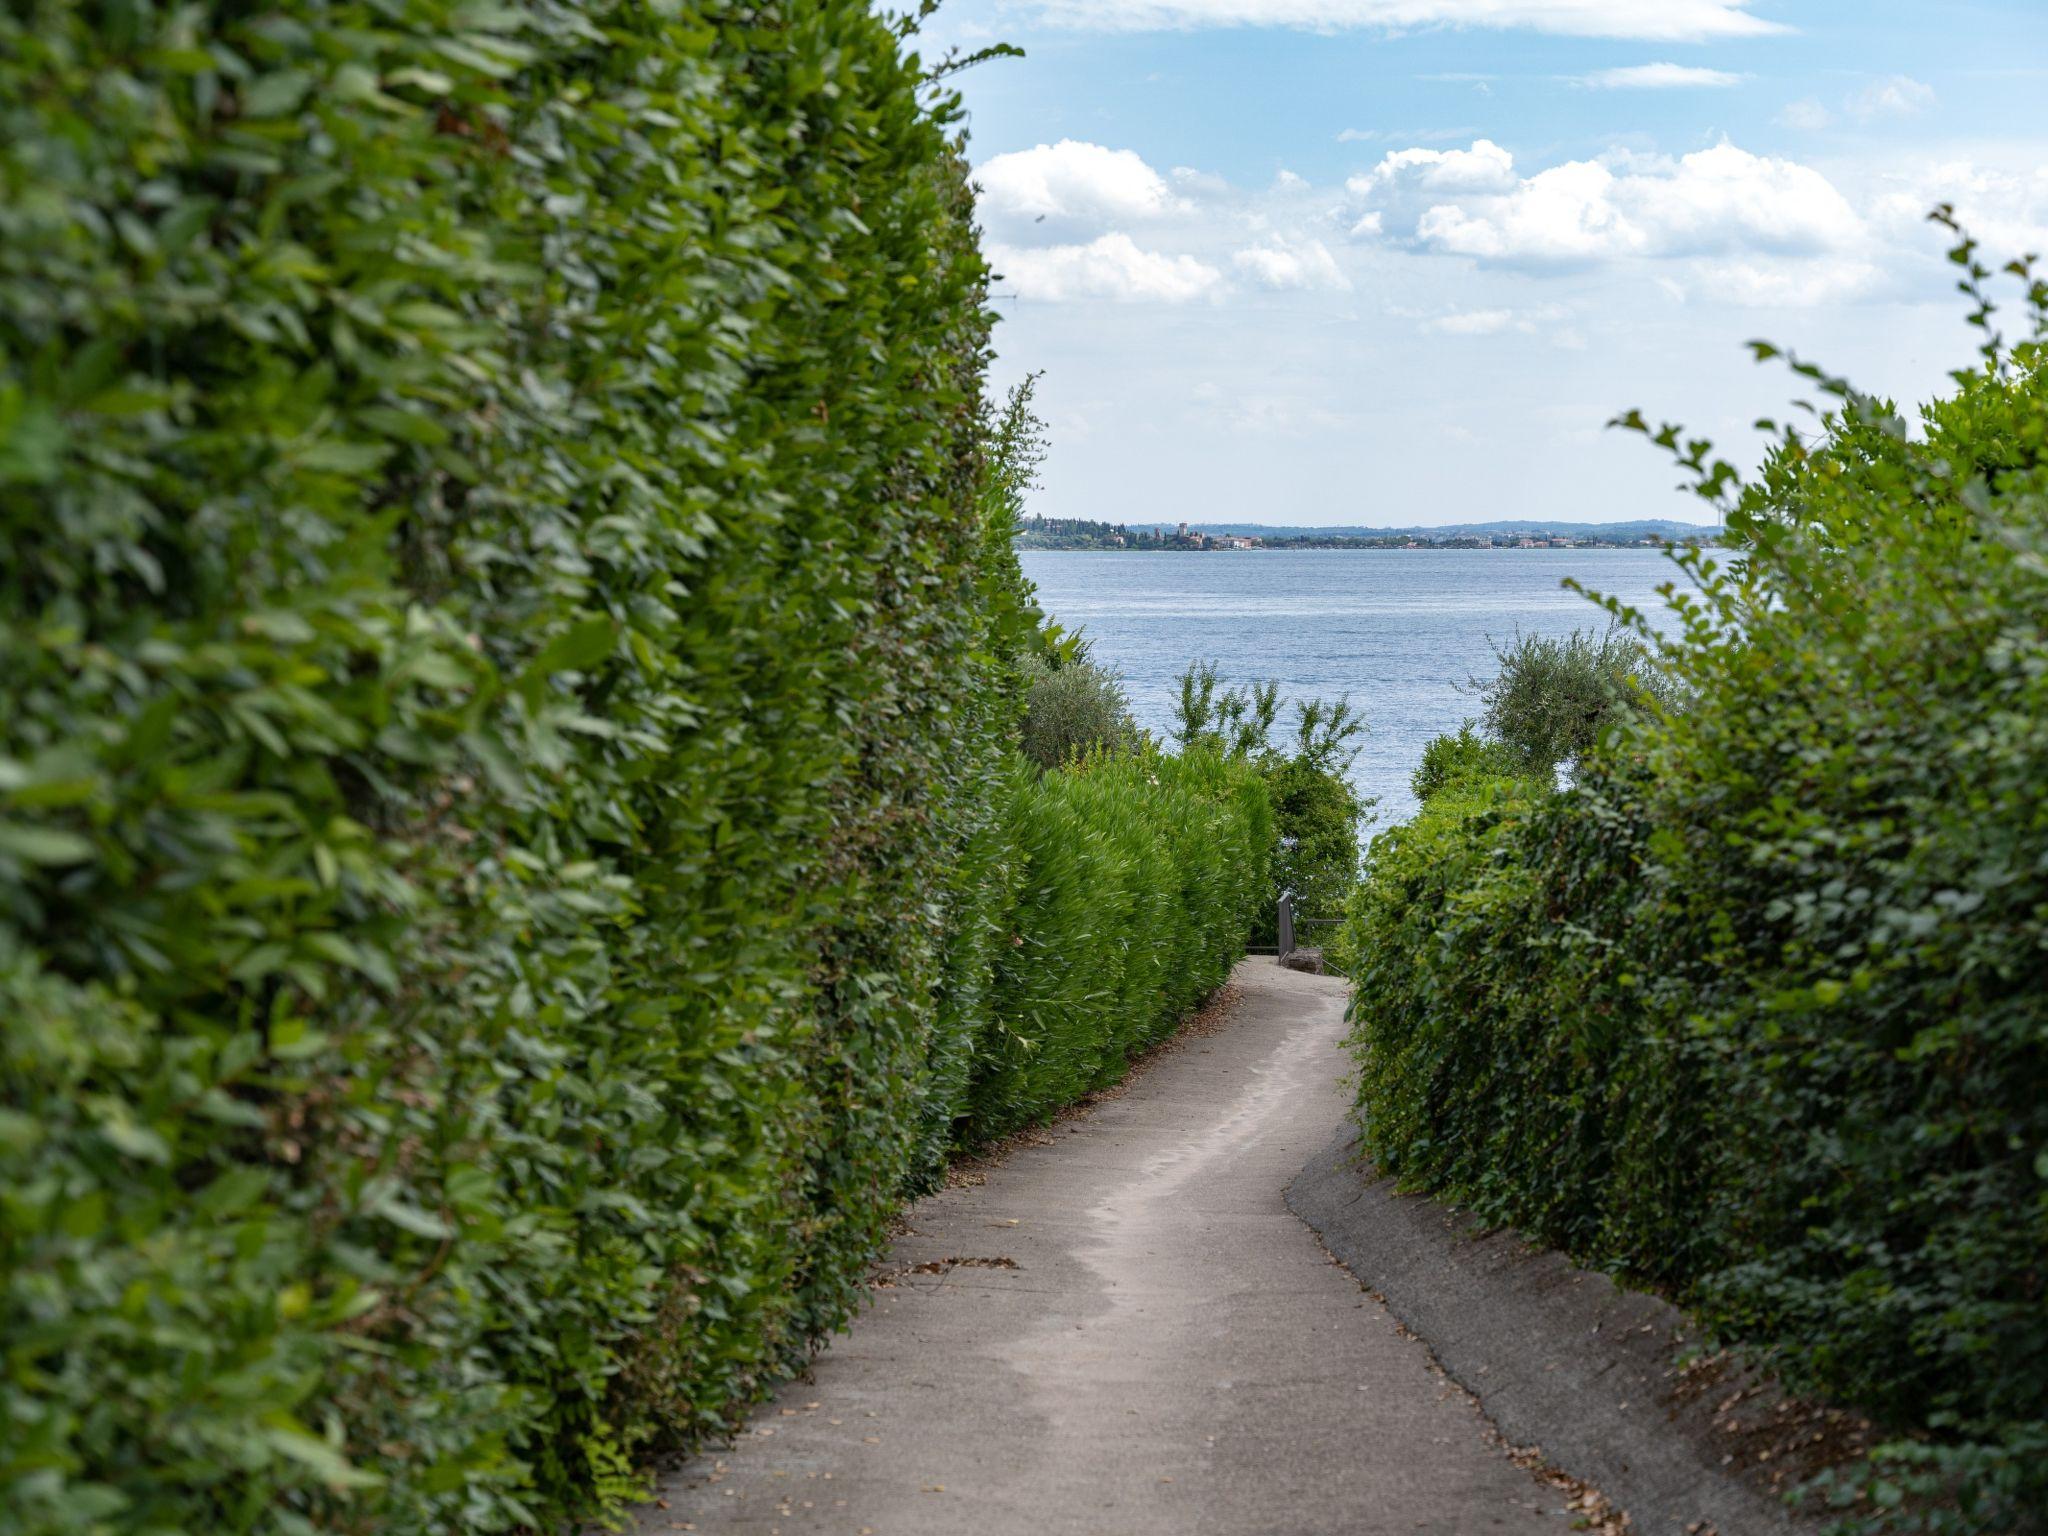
(1561, 1359)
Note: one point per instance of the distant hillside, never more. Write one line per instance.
(1641, 528)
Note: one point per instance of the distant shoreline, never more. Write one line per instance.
(1075, 534)
(1352, 545)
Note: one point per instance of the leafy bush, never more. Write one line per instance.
(1317, 812)
(1073, 709)
(1317, 815)
(1467, 754)
(509, 654)
(486, 555)
(1755, 1010)
(1137, 877)
(1553, 699)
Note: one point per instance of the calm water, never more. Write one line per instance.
(1399, 630)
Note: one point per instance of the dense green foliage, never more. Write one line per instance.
(1136, 877)
(1552, 699)
(1756, 1009)
(1074, 708)
(1466, 754)
(508, 655)
(1317, 813)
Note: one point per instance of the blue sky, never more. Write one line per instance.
(1397, 261)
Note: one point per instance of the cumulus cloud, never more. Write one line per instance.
(1895, 96)
(1282, 264)
(1112, 266)
(1653, 20)
(1492, 322)
(1714, 201)
(1659, 77)
(2004, 207)
(1806, 114)
(1795, 284)
(1483, 167)
(1198, 183)
(1072, 180)
(1472, 322)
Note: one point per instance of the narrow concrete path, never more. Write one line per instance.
(1125, 1331)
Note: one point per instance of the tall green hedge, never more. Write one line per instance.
(1757, 1010)
(1134, 880)
(510, 654)
(489, 580)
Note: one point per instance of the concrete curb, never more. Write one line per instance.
(1560, 1358)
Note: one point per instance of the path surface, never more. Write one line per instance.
(1172, 1352)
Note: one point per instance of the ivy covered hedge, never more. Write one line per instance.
(507, 655)
(1756, 1010)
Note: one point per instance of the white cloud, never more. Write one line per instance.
(1714, 201)
(1400, 135)
(1073, 180)
(2005, 208)
(1200, 183)
(1112, 266)
(1806, 114)
(1484, 166)
(1472, 322)
(1656, 20)
(1280, 264)
(1796, 284)
(1659, 77)
(1893, 96)
(1897, 96)
(1492, 322)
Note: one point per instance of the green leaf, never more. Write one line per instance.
(573, 650)
(315, 1454)
(44, 845)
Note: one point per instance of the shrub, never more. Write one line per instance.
(1448, 758)
(1552, 700)
(486, 557)
(1073, 709)
(511, 655)
(1137, 877)
(1316, 811)
(1755, 1010)
(1316, 815)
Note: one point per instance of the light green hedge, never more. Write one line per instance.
(1134, 880)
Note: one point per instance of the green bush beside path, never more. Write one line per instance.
(508, 655)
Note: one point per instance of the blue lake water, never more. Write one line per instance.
(1400, 631)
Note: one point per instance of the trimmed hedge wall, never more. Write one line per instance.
(1756, 1010)
(487, 555)
(511, 853)
(1135, 879)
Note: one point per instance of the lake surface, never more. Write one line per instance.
(1401, 631)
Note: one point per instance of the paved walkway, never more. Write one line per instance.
(1126, 1332)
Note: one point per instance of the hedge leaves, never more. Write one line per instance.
(502, 697)
(1756, 1010)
